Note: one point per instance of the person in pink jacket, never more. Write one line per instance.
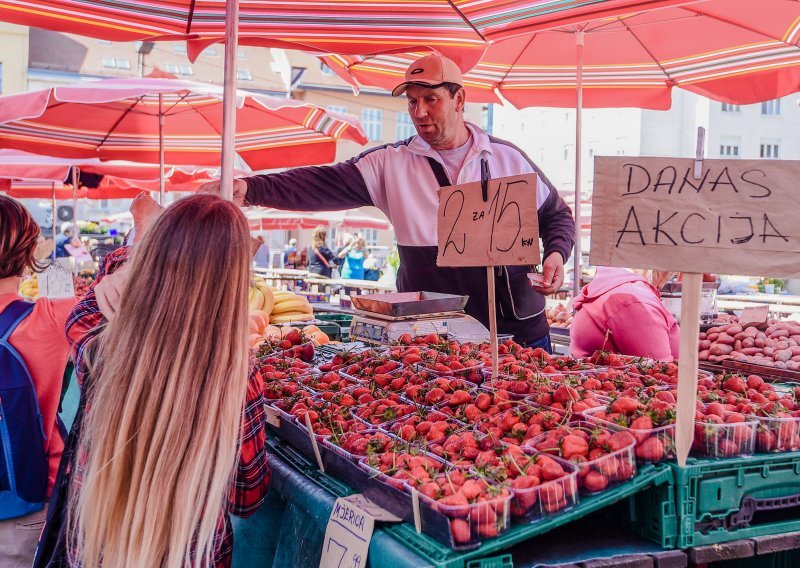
(621, 311)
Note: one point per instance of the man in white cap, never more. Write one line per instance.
(402, 180)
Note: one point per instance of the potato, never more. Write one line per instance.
(779, 333)
(750, 350)
(782, 355)
(702, 335)
(720, 349)
(759, 342)
(748, 342)
(705, 344)
(703, 355)
(733, 329)
(712, 336)
(726, 339)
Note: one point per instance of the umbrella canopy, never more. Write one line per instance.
(457, 28)
(735, 51)
(267, 219)
(118, 119)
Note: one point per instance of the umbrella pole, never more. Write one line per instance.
(576, 268)
(55, 236)
(229, 97)
(75, 229)
(160, 149)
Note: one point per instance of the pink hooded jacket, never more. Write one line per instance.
(628, 308)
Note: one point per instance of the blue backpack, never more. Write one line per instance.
(23, 461)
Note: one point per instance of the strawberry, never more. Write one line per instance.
(459, 529)
(735, 384)
(625, 405)
(483, 401)
(595, 481)
(459, 397)
(620, 440)
(651, 450)
(572, 445)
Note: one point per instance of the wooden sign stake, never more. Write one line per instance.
(415, 509)
(691, 298)
(492, 320)
(314, 443)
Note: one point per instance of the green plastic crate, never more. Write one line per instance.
(342, 320)
(650, 513)
(715, 498)
(331, 329)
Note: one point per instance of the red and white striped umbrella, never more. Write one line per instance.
(736, 51)
(118, 119)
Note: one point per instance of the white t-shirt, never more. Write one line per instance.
(454, 158)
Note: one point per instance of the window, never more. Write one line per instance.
(370, 237)
(104, 204)
(123, 64)
(103, 42)
(241, 54)
(405, 127)
(185, 69)
(772, 107)
(769, 151)
(371, 119)
(337, 108)
(179, 48)
(729, 151)
(172, 68)
(244, 75)
(210, 51)
(486, 118)
(727, 107)
(109, 62)
(325, 69)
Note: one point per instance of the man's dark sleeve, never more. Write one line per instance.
(316, 188)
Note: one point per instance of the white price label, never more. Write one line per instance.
(349, 531)
(56, 282)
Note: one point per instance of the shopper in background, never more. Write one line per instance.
(67, 237)
(352, 258)
(261, 258)
(320, 258)
(172, 438)
(289, 253)
(621, 311)
(39, 339)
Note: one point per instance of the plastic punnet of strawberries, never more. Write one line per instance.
(330, 381)
(477, 508)
(398, 469)
(604, 457)
(520, 423)
(362, 443)
(650, 420)
(720, 433)
(428, 429)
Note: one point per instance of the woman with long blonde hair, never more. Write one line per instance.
(320, 258)
(173, 435)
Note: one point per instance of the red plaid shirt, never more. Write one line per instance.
(251, 477)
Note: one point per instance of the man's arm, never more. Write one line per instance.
(317, 188)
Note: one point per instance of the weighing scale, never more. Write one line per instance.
(383, 318)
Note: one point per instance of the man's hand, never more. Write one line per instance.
(109, 292)
(552, 274)
(215, 188)
(145, 211)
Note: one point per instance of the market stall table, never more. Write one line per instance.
(288, 531)
(280, 275)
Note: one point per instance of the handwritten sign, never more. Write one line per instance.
(738, 218)
(349, 531)
(56, 282)
(501, 231)
(754, 315)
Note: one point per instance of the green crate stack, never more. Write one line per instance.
(342, 320)
(650, 513)
(709, 495)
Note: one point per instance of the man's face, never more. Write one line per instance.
(436, 114)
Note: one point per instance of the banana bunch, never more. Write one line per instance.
(261, 297)
(29, 288)
(289, 307)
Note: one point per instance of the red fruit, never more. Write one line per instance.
(641, 423)
(487, 530)
(459, 397)
(435, 395)
(285, 344)
(294, 337)
(471, 489)
(483, 401)
(455, 505)
(754, 381)
(405, 339)
(624, 405)
(595, 481)
(766, 441)
(551, 470)
(716, 409)
(619, 440)
(572, 445)
(735, 384)
(651, 450)
(459, 528)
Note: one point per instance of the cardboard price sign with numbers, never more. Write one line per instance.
(503, 230)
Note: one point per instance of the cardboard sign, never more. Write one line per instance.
(56, 282)
(754, 315)
(501, 231)
(349, 531)
(738, 218)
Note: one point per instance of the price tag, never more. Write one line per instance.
(501, 231)
(754, 315)
(56, 282)
(349, 531)
(272, 416)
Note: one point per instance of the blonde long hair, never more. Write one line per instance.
(165, 405)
